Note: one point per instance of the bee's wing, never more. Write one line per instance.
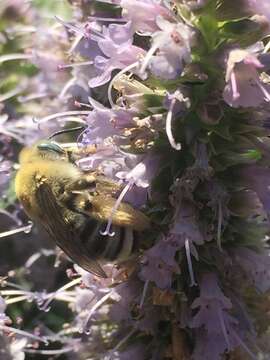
(103, 208)
(61, 233)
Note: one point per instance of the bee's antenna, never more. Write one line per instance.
(65, 131)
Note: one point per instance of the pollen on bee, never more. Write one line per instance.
(40, 179)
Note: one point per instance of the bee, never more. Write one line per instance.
(74, 206)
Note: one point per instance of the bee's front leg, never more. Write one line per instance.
(86, 182)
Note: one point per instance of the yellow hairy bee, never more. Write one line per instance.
(74, 207)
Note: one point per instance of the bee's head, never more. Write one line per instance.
(43, 150)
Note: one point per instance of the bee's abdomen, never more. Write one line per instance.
(111, 248)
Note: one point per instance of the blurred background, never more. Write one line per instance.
(32, 45)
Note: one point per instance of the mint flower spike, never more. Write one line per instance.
(188, 142)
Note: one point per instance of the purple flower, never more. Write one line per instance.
(5, 171)
(143, 14)
(260, 7)
(106, 123)
(257, 178)
(158, 264)
(3, 317)
(176, 104)
(218, 330)
(129, 298)
(185, 224)
(136, 351)
(143, 173)
(212, 304)
(99, 127)
(85, 299)
(185, 232)
(149, 322)
(244, 87)
(173, 46)
(95, 283)
(110, 47)
(255, 265)
(116, 52)
(208, 347)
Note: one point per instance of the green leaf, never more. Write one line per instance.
(208, 26)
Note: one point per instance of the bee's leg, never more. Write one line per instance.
(93, 182)
(87, 182)
(107, 186)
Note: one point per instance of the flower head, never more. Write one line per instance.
(159, 264)
(116, 52)
(259, 7)
(244, 87)
(173, 45)
(218, 329)
(143, 14)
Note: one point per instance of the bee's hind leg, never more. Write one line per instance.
(87, 182)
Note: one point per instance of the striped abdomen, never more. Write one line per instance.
(111, 248)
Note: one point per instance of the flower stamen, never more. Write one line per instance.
(174, 144)
(68, 66)
(26, 229)
(23, 333)
(95, 307)
(235, 91)
(148, 56)
(190, 267)
(70, 27)
(114, 209)
(263, 89)
(64, 114)
(144, 293)
(241, 342)
(219, 226)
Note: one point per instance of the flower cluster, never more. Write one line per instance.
(174, 96)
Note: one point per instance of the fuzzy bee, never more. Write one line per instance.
(74, 207)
